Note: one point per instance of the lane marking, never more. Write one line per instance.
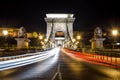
(57, 73)
(53, 78)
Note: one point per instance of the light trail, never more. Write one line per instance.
(27, 60)
(91, 58)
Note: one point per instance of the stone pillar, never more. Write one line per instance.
(97, 43)
(22, 42)
(97, 40)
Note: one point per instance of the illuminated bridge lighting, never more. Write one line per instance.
(59, 15)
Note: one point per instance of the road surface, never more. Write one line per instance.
(61, 67)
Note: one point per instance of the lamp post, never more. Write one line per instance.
(78, 37)
(114, 33)
(79, 42)
(41, 38)
(73, 40)
(5, 33)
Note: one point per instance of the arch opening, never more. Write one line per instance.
(59, 38)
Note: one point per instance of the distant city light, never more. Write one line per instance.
(59, 15)
(5, 32)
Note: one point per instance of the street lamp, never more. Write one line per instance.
(5, 33)
(114, 33)
(40, 37)
(79, 44)
(41, 41)
(78, 37)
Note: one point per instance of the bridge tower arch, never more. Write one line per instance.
(59, 29)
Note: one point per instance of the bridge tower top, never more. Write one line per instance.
(59, 15)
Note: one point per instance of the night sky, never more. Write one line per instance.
(88, 13)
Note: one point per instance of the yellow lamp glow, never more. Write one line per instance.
(40, 37)
(114, 32)
(5, 32)
(78, 37)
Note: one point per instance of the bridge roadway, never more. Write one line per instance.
(61, 67)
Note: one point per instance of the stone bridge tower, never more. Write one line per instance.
(59, 28)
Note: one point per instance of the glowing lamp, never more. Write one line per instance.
(78, 37)
(115, 32)
(5, 32)
(40, 37)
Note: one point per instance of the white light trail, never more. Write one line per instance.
(27, 60)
